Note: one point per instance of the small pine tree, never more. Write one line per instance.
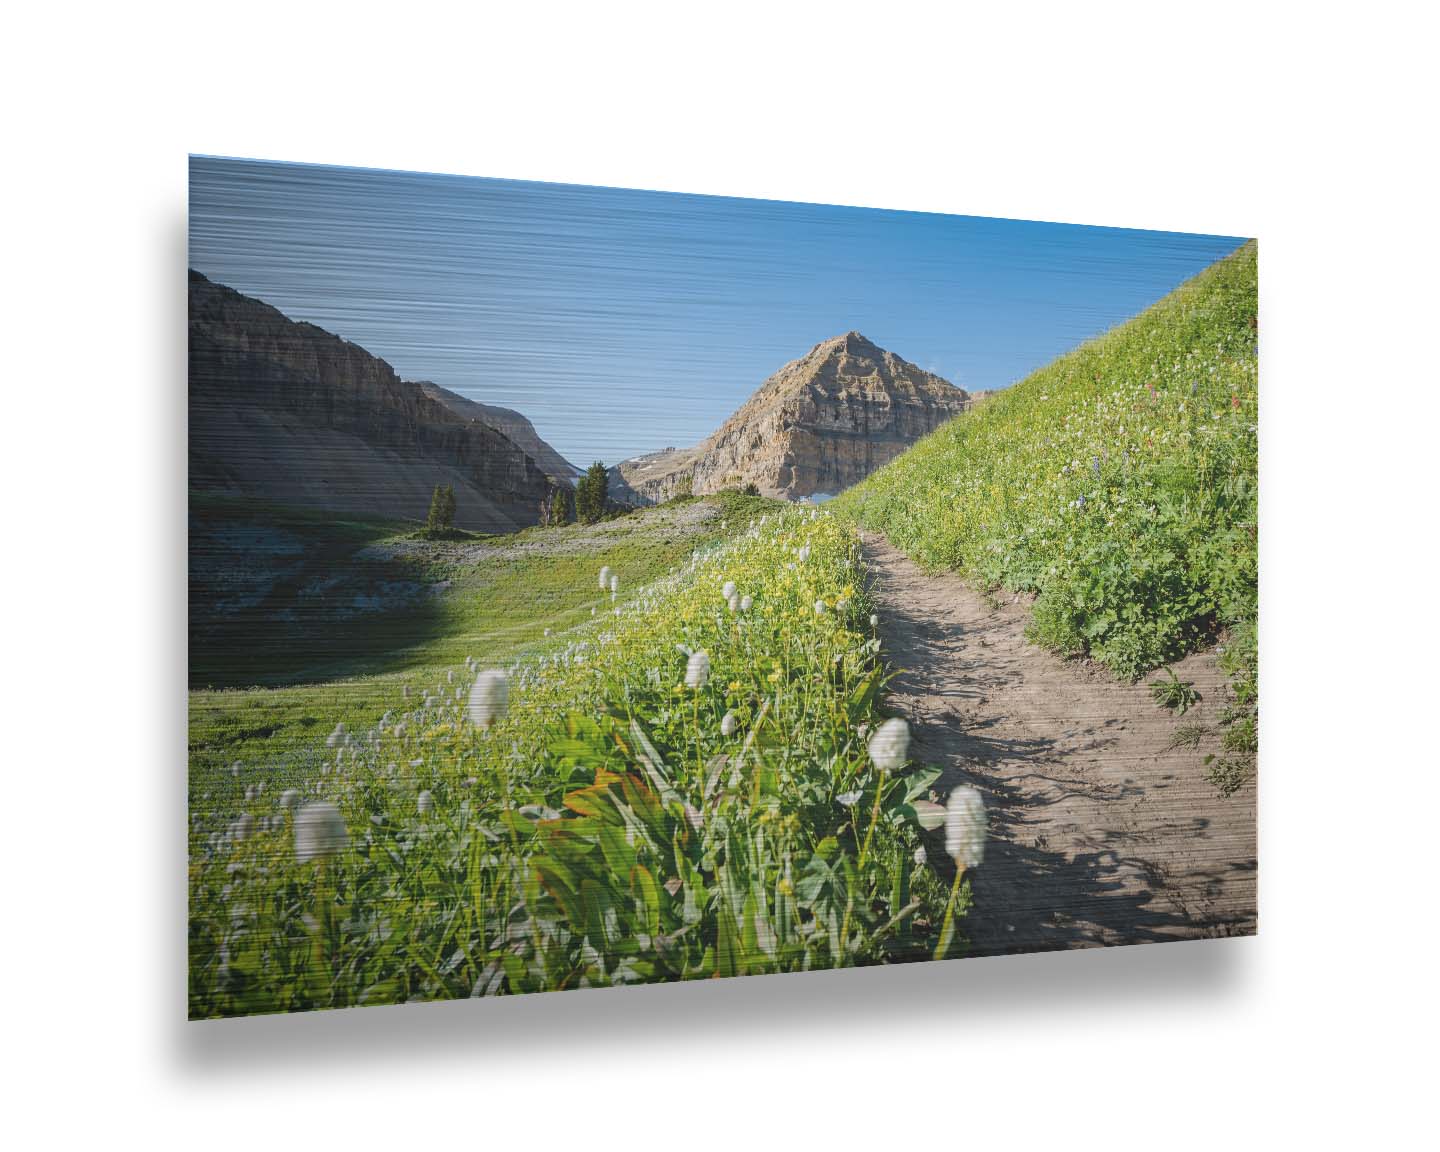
(437, 510)
(441, 517)
(592, 491)
(555, 508)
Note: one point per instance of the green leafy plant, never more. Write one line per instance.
(1175, 694)
(1240, 719)
(1228, 773)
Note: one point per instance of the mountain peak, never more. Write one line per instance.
(851, 342)
(818, 425)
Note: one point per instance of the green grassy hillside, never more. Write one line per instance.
(300, 621)
(1118, 483)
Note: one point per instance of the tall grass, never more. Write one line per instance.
(629, 819)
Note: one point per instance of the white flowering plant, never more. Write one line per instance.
(672, 791)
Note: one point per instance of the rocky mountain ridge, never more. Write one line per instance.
(817, 426)
(287, 412)
(513, 424)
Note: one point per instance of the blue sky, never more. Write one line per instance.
(622, 321)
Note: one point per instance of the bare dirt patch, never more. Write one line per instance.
(1101, 831)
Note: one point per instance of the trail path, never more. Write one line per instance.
(1099, 834)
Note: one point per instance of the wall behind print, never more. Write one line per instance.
(1221, 118)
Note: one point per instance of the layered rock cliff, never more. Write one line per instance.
(287, 412)
(513, 424)
(817, 426)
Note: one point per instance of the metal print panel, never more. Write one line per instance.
(594, 587)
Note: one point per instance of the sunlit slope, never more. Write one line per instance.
(1118, 482)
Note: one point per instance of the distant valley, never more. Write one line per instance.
(287, 412)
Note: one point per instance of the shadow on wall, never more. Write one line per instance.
(965, 994)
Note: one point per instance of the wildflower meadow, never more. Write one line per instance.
(696, 782)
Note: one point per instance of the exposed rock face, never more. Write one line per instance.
(513, 424)
(819, 425)
(290, 413)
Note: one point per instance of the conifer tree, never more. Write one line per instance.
(592, 491)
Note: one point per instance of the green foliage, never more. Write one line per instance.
(1187, 736)
(1175, 694)
(592, 493)
(441, 518)
(1118, 483)
(558, 508)
(1228, 773)
(607, 830)
(751, 489)
(1240, 719)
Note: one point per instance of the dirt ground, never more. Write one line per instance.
(1100, 834)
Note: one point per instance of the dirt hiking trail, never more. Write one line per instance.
(1099, 833)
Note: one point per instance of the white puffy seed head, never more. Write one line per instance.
(490, 697)
(319, 831)
(966, 827)
(890, 746)
(697, 671)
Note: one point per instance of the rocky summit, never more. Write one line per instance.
(291, 414)
(814, 428)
